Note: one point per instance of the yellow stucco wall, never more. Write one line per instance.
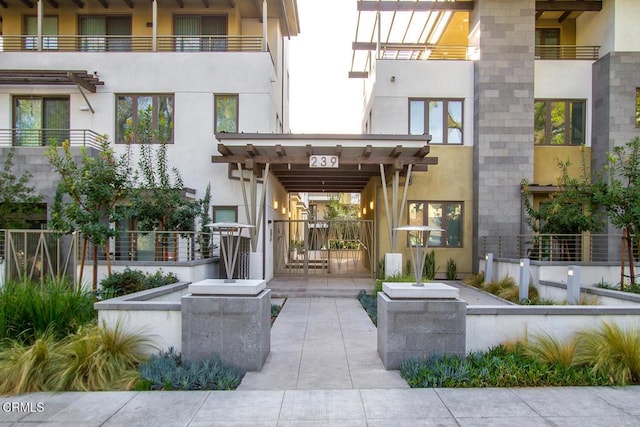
(450, 180)
(546, 158)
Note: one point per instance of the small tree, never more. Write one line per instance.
(17, 199)
(94, 186)
(617, 190)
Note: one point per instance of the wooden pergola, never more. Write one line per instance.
(350, 162)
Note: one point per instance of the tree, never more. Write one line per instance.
(569, 210)
(94, 187)
(617, 190)
(18, 200)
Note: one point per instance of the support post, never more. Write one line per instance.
(154, 25)
(523, 282)
(265, 45)
(488, 268)
(573, 285)
(39, 20)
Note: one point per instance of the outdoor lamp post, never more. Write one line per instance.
(230, 247)
(419, 254)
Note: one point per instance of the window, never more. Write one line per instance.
(200, 33)
(547, 43)
(49, 32)
(440, 118)
(40, 120)
(446, 215)
(226, 112)
(105, 33)
(638, 107)
(144, 119)
(225, 213)
(559, 122)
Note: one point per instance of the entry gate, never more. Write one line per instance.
(319, 247)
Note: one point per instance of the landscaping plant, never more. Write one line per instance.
(130, 281)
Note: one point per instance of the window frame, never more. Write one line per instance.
(568, 131)
(49, 41)
(105, 42)
(200, 42)
(155, 97)
(42, 140)
(216, 208)
(425, 221)
(215, 111)
(445, 122)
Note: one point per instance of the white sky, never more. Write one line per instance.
(323, 98)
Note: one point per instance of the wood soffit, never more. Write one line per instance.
(50, 77)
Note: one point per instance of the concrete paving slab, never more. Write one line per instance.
(503, 422)
(565, 402)
(322, 405)
(255, 406)
(599, 421)
(625, 398)
(468, 403)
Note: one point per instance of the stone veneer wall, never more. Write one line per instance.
(503, 113)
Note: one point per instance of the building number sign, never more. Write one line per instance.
(321, 161)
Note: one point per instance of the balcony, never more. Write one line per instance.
(43, 137)
(567, 52)
(195, 43)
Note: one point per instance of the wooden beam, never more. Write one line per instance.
(129, 3)
(78, 3)
(224, 150)
(564, 16)
(3, 4)
(104, 3)
(413, 6)
(358, 74)
(364, 46)
(309, 151)
(539, 14)
(568, 6)
(338, 150)
(205, 3)
(423, 151)
(280, 150)
(27, 3)
(367, 152)
(232, 4)
(81, 82)
(53, 3)
(396, 151)
(252, 150)
(304, 160)
(258, 5)
(180, 4)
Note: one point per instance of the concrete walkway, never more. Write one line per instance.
(322, 344)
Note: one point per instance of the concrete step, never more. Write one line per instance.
(301, 292)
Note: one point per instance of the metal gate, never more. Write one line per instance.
(36, 254)
(338, 248)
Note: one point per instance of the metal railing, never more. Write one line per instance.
(567, 52)
(168, 43)
(43, 137)
(584, 248)
(158, 246)
(408, 51)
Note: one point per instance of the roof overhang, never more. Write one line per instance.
(79, 78)
(359, 158)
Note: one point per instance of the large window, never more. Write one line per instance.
(226, 112)
(143, 119)
(49, 32)
(440, 118)
(559, 122)
(105, 33)
(200, 33)
(547, 43)
(39, 120)
(445, 215)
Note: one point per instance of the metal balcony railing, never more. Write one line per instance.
(195, 43)
(567, 52)
(581, 248)
(43, 137)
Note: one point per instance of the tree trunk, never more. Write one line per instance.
(107, 248)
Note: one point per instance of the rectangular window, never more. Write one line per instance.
(49, 32)
(105, 33)
(226, 113)
(144, 119)
(445, 215)
(39, 120)
(440, 118)
(559, 122)
(547, 43)
(200, 33)
(225, 213)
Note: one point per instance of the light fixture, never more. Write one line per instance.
(364, 211)
(371, 205)
(284, 210)
(275, 205)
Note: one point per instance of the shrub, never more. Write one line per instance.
(612, 351)
(452, 269)
(167, 371)
(28, 309)
(475, 280)
(370, 305)
(494, 368)
(130, 281)
(430, 270)
(93, 359)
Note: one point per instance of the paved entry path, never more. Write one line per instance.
(322, 344)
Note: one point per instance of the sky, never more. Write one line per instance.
(323, 98)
